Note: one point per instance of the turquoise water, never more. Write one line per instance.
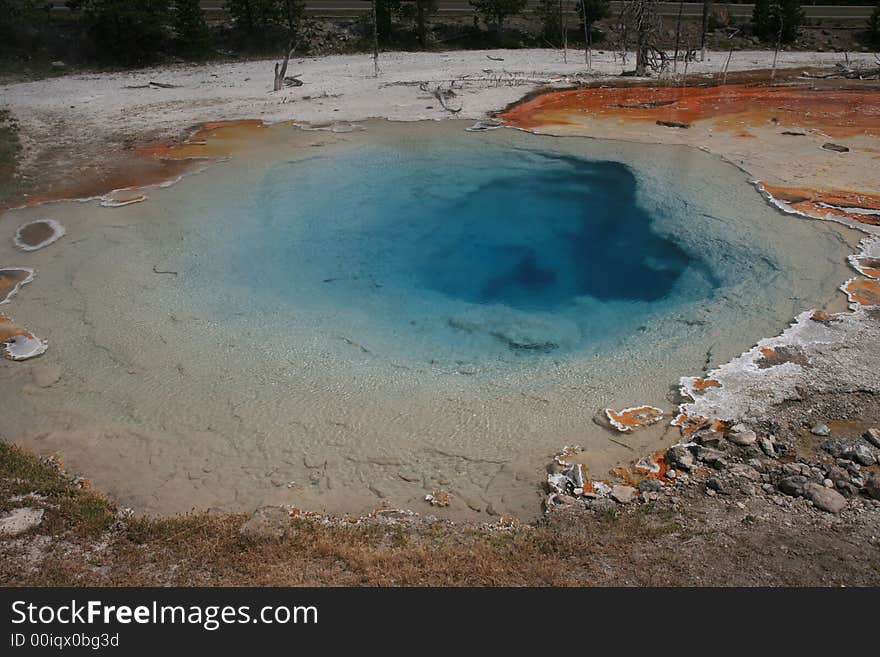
(356, 320)
(462, 252)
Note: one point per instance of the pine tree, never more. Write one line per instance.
(761, 18)
(874, 26)
(786, 19)
(190, 26)
(495, 12)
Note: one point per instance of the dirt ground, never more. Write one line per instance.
(684, 539)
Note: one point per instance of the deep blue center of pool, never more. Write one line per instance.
(541, 239)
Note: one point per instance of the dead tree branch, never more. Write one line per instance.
(441, 95)
(281, 69)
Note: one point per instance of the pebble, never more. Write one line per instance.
(743, 438)
(872, 436)
(623, 494)
(793, 485)
(872, 486)
(717, 485)
(680, 457)
(766, 446)
(861, 454)
(823, 498)
(820, 429)
(712, 457)
(650, 486)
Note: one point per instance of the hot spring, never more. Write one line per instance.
(344, 321)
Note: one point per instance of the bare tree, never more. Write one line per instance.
(281, 69)
(677, 37)
(375, 11)
(592, 11)
(707, 14)
(563, 28)
(642, 16)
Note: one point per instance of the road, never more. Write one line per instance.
(690, 9)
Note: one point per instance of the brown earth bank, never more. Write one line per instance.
(683, 538)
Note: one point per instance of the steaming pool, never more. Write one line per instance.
(341, 321)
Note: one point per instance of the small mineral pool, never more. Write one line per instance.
(340, 321)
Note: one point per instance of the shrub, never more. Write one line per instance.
(874, 26)
(126, 32)
(190, 27)
(495, 12)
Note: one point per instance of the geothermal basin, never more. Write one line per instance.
(346, 319)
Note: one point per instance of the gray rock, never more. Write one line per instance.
(650, 486)
(680, 457)
(712, 457)
(743, 438)
(852, 468)
(860, 453)
(708, 438)
(820, 429)
(872, 486)
(718, 484)
(833, 446)
(266, 523)
(744, 471)
(602, 505)
(872, 436)
(623, 494)
(790, 469)
(793, 485)
(823, 498)
(20, 520)
(837, 148)
(766, 446)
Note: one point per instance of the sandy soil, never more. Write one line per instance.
(69, 120)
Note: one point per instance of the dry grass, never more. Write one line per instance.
(82, 542)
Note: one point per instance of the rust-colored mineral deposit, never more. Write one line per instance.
(863, 291)
(634, 418)
(838, 113)
(11, 280)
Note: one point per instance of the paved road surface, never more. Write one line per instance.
(691, 9)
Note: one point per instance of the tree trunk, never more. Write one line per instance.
(375, 41)
(707, 12)
(677, 38)
(421, 27)
(563, 29)
(641, 48)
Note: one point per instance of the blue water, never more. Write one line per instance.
(540, 239)
(457, 249)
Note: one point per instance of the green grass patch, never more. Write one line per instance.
(68, 507)
(9, 147)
